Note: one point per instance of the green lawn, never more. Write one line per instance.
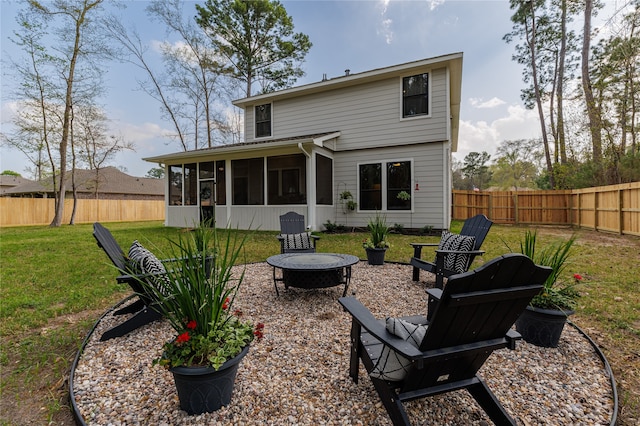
(55, 283)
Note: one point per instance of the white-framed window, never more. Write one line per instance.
(415, 96)
(262, 115)
(385, 185)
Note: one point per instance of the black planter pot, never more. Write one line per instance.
(204, 389)
(542, 327)
(375, 256)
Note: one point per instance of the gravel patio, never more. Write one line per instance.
(298, 374)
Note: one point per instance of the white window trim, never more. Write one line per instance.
(384, 184)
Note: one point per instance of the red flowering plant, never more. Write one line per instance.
(197, 299)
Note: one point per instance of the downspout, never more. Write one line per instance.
(311, 189)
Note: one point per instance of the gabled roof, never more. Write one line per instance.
(110, 180)
(453, 61)
(9, 181)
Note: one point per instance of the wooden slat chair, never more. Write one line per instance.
(477, 227)
(293, 236)
(142, 306)
(473, 317)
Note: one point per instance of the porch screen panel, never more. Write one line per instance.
(324, 180)
(175, 185)
(190, 184)
(287, 179)
(370, 176)
(248, 181)
(221, 183)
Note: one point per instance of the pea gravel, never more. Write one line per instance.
(298, 374)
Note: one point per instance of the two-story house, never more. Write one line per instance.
(375, 134)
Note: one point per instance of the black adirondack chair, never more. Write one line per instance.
(142, 306)
(473, 317)
(293, 236)
(477, 226)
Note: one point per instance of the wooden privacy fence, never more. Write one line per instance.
(40, 211)
(614, 208)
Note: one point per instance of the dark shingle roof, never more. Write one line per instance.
(7, 182)
(108, 180)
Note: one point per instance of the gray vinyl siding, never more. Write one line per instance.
(430, 172)
(367, 115)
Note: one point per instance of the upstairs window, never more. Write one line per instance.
(415, 95)
(263, 121)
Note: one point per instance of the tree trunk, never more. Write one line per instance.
(561, 143)
(595, 124)
(68, 106)
(531, 41)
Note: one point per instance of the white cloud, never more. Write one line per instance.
(435, 3)
(144, 136)
(491, 103)
(519, 123)
(385, 25)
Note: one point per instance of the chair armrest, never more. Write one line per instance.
(377, 329)
(512, 337)
(474, 252)
(434, 293)
(424, 244)
(417, 248)
(136, 278)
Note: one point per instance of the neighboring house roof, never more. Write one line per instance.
(7, 182)
(110, 181)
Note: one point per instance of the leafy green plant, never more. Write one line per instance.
(346, 199)
(403, 195)
(378, 231)
(427, 229)
(398, 228)
(197, 299)
(555, 294)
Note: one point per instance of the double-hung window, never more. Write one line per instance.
(385, 185)
(415, 95)
(263, 120)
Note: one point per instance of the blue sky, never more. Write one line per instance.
(356, 35)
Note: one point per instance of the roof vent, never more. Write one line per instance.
(347, 72)
(324, 77)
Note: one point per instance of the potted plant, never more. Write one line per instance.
(348, 204)
(376, 245)
(543, 320)
(197, 296)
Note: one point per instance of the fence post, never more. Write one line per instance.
(620, 215)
